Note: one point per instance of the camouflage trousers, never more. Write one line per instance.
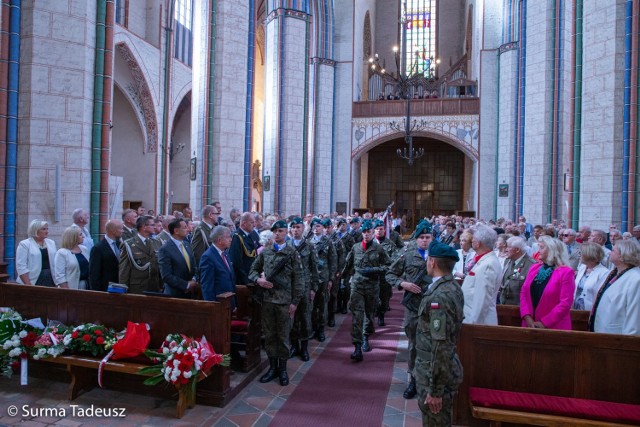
(276, 325)
(333, 297)
(319, 315)
(442, 418)
(385, 296)
(362, 306)
(410, 324)
(302, 328)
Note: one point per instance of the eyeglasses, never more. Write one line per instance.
(566, 235)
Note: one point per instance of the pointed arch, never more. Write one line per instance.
(138, 90)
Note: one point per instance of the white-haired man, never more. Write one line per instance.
(480, 286)
(81, 219)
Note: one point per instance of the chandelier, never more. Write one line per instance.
(417, 72)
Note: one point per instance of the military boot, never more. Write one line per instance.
(331, 321)
(272, 373)
(304, 351)
(381, 319)
(357, 353)
(320, 335)
(410, 392)
(284, 377)
(294, 349)
(366, 347)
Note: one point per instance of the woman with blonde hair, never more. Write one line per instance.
(616, 309)
(546, 296)
(590, 275)
(35, 256)
(72, 260)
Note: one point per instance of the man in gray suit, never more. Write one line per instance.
(568, 236)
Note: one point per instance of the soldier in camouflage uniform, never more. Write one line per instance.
(438, 371)
(327, 266)
(366, 261)
(386, 292)
(302, 330)
(341, 256)
(281, 295)
(409, 274)
(347, 241)
(138, 267)
(355, 231)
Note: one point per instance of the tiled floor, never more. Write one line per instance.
(254, 406)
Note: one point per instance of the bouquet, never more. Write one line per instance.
(183, 361)
(17, 340)
(89, 338)
(50, 343)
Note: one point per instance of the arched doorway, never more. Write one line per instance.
(179, 156)
(434, 185)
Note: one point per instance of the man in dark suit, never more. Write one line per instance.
(103, 262)
(244, 248)
(177, 264)
(216, 271)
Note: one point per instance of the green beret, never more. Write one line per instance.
(296, 220)
(378, 223)
(440, 250)
(366, 225)
(278, 224)
(342, 221)
(326, 222)
(354, 220)
(424, 227)
(315, 221)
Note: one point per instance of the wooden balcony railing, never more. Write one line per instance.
(419, 107)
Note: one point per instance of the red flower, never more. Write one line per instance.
(30, 339)
(86, 337)
(97, 332)
(188, 358)
(99, 340)
(74, 335)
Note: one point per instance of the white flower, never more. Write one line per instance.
(7, 344)
(174, 379)
(15, 352)
(187, 374)
(42, 352)
(67, 339)
(168, 338)
(167, 376)
(23, 334)
(176, 363)
(179, 350)
(165, 350)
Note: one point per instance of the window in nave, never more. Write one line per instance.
(419, 18)
(183, 15)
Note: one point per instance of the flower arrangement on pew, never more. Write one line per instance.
(17, 340)
(89, 338)
(50, 343)
(182, 362)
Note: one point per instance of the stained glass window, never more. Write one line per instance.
(419, 40)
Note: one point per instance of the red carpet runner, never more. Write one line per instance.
(339, 392)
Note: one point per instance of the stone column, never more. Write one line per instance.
(286, 58)
(55, 111)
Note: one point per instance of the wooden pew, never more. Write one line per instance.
(164, 315)
(575, 364)
(246, 330)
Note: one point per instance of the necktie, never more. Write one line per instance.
(224, 258)
(115, 249)
(185, 255)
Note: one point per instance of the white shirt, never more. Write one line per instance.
(619, 308)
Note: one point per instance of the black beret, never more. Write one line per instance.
(315, 221)
(378, 223)
(278, 224)
(326, 222)
(342, 221)
(355, 220)
(440, 250)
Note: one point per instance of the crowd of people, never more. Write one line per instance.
(304, 270)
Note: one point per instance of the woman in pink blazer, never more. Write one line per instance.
(547, 293)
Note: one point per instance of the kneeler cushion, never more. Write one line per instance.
(555, 405)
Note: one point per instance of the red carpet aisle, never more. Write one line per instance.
(339, 392)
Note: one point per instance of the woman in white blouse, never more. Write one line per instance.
(35, 256)
(590, 275)
(465, 256)
(72, 260)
